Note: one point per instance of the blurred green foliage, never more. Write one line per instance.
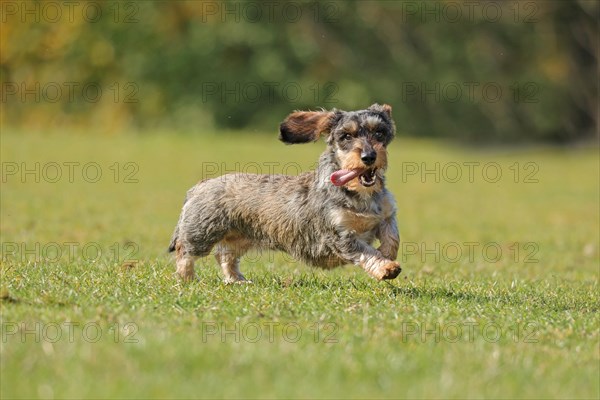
(477, 71)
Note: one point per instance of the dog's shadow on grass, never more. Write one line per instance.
(399, 289)
(431, 293)
(387, 288)
(313, 282)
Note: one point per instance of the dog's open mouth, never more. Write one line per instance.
(366, 177)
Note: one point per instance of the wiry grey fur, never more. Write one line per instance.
(306, 216)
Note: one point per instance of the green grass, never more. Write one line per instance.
(524, 324)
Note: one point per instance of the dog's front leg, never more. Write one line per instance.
(358, 252)
(388, 236)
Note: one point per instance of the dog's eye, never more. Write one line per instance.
(379, 135)
(346, 136)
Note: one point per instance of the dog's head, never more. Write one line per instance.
(358, 139)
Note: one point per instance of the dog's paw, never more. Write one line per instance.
(389, 270)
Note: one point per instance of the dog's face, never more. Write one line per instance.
(358, 139)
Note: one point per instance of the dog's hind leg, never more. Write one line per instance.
(228, 252)
(202, 224)
(193, 246)
(185, 262)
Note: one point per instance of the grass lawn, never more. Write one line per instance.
(498, 296)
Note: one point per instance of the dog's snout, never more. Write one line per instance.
(368, 157)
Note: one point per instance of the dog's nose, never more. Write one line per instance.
(368, 157)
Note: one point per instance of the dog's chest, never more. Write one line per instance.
(354, 222)
(363, 223)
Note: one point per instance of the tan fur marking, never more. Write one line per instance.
(351, 160)
(178, 249)
(228, 252)
(350, 127)
(185, 263)
(387, 109)
(372, 122)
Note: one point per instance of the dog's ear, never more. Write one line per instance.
(305, 126)
(385, 108)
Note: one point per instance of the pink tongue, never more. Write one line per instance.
(343, 176)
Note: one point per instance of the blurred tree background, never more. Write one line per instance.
(477, 71)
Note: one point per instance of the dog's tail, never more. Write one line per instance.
(174, 239)
(175, 236)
